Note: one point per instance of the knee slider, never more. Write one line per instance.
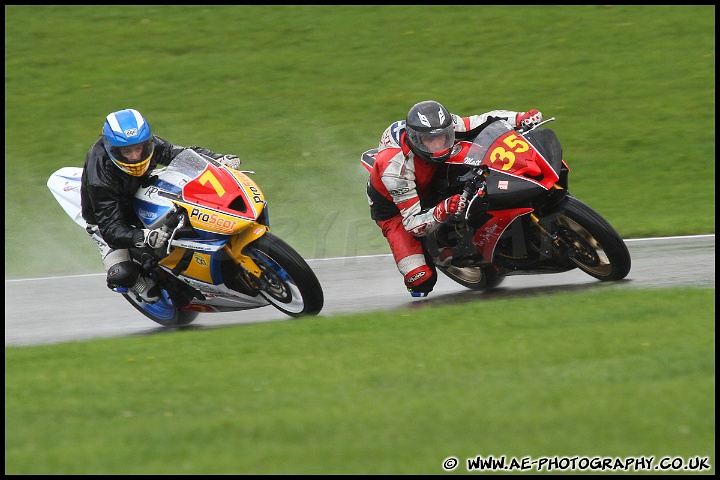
(420, 279)
(123, 274)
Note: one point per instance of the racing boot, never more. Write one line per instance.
(146, 289)
(444, 258)
(420, 281)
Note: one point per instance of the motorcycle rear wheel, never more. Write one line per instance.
(593, 244)
(291, 286)
(483, 277)
(163, 311)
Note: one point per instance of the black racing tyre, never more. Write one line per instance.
(592, 243)
(163, 311)
(290, 285)
(483, 277)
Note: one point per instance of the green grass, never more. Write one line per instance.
(393, 392)
(299, 92)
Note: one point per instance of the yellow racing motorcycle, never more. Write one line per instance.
(221, 255)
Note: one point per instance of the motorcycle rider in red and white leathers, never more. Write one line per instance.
(409, 155)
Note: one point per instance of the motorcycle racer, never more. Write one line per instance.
(401, 183)
(119, 162)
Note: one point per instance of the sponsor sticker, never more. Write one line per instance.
(416, 277)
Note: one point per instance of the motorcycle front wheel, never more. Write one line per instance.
(590, 241)
(163, 311)
(287, 281)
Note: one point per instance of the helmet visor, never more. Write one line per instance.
(437, 143)
(133, 159)
(134, 169)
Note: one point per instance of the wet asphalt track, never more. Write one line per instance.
(81, 307)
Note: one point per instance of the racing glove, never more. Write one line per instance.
(152, 238)
(528, 119)
(447, 207)
(232, 161)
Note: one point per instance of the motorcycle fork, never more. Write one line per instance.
(239, 242)
(549, 243)
(253, 272)
(459, 237)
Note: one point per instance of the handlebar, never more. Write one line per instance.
(174, 221)
(522, 131)
(474, 184)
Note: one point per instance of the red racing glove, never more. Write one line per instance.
(528, 119)
(447, 207)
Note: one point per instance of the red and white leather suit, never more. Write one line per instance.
(398, 181)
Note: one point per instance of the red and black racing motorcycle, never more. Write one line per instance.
(520, 217)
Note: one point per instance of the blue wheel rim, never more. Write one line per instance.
(163, 308)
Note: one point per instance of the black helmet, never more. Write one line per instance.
(430, 131)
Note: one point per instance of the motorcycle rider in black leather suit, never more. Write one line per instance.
(119, 162)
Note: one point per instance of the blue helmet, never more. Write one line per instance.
(127, 128)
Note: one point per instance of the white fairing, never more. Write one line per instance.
(154, 202)
(151, 208)
(65, 187)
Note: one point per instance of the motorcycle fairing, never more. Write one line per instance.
(213, 211)
(368, 158)
(512, 154)
(500, 148)
(222, 205)
(204, 265)
(64, 184)
(486, 237)
(198, 267)
(210, 189)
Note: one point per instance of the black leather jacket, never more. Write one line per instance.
(107, 193)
